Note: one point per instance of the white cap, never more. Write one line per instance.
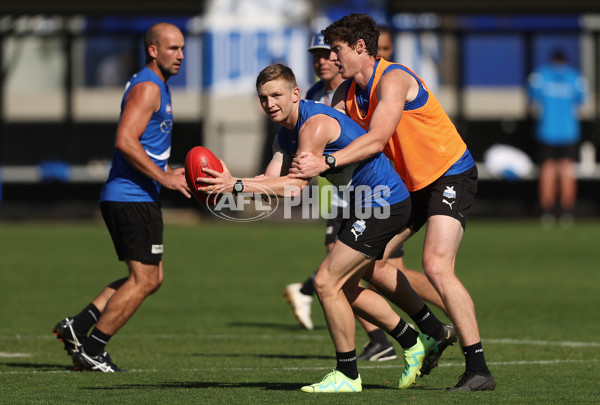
(317, 43)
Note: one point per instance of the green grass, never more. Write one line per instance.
(219, 331)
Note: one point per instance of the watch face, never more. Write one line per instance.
(330, 160)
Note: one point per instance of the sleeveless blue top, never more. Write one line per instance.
(384, 185)
(125, 183)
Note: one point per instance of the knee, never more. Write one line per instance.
(149, 283)
(437, 271)
(324, 285)
(155, 286)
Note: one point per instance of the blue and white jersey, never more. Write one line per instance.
(383, 184)
(558, 90)
(319, 93)
(125, 183)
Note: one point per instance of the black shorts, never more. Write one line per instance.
(370, 236)
(136, 230)
(398, 252)
(333, 228)
(547, 152)
(451, 195)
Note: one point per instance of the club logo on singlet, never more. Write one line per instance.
(166, 126)
(169, 109)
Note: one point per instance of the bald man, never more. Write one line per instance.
(130, 203)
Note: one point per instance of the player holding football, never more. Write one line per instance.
(309, 127)
(300, 295)
(405, 120)
(129, 202)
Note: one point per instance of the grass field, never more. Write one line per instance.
(219, 331)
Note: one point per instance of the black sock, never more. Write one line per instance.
(474, 358)
(404, 334)
(428, 323)
(308, 288)
(83, 321)
(346, 364)
(94, 345)
(378, 336)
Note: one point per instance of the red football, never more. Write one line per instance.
(199, 158)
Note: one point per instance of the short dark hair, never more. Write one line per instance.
(385, 29)
(274, 72)
(351, 28)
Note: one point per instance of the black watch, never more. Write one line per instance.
(238, 187)
(330, 160)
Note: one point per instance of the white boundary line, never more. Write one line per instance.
(8, 355)
(295, 369)
(504, 341)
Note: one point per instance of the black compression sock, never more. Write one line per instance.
(94, 345)
(308, 288)
(474, 358)
(404, 334)
(346, 364)
(83, 321)
(428, 323)
(378, 336)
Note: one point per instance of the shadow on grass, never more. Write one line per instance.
(39, 367)
(271, 386)
(266, 356)
(276, 326)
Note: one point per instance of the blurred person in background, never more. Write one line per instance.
(130, 203)
(556, 90)
(385, 43)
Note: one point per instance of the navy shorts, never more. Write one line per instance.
(371, 235)
(547, 152)
(136, 230)
(451, 195)
(333, 228)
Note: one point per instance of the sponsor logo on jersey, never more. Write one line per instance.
(169, 109)
(157, 249)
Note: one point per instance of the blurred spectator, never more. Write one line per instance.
(385, 44)
(556, 90)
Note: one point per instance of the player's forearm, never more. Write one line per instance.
(359, 149)
(280, 186)
(135, 154)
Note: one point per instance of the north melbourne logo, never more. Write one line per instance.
(449, 192)
(358, 228)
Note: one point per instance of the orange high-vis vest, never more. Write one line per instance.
(425, 144)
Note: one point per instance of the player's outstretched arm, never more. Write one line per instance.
(281, 186)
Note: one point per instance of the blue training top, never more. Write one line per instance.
(376, 172)
(558, 90)
(125, 183)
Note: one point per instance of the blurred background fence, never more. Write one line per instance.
(64, 67)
